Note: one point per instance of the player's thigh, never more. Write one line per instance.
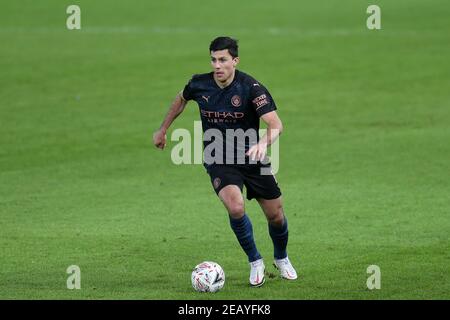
(222, 176)
(231, 196)
(273, 209)
(228, 183)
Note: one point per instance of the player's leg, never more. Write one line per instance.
(233, 201)
(277, 223)
(264, 188)
(278, 230)
(228, 182)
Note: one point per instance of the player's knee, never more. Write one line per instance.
(236, 209)
(277, 218)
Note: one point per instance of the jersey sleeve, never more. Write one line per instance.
(188, 91)
(261, 99)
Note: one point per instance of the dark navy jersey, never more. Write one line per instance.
(237, 107)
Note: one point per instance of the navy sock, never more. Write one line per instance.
(279, 237)
(243, 230)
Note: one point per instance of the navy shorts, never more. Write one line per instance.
(258, 185)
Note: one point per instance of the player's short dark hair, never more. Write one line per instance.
(222, 43)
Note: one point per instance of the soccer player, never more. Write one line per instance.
(231, 99)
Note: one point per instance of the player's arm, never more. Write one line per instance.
(274, 129)
(177, 107)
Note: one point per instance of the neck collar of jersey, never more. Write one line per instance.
(236, 73)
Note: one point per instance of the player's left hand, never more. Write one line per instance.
(257, 152)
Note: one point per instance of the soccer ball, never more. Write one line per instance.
(208, 276)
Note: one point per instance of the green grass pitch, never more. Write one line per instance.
(364, 165)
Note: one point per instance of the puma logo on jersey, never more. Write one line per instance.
(206, 98)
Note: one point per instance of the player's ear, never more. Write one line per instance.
(235, 61)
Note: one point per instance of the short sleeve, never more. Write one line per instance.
(261, 99)
(188, 90)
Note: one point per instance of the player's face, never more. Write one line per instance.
(223, 64)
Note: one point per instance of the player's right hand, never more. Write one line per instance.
(159, 139)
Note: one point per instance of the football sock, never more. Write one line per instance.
(279, 237)
(243, 230)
